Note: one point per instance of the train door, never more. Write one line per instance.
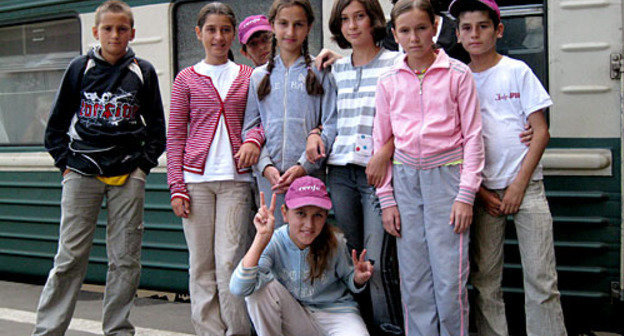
(583, 162)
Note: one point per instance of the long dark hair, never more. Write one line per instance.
(313, 85)
(321, 251)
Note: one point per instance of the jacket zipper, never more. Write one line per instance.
(422, 118)
(285, 115)
(300, 274)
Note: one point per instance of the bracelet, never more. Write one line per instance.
(313, 132)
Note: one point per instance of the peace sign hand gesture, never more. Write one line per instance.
(264, 220)
(363, 269)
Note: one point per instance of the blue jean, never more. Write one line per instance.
(358, 215)
(265, 186)
(533, 224)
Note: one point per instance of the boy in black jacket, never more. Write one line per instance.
(105, 132)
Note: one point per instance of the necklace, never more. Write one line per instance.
(421, 72)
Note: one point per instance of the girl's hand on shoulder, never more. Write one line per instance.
(247, 155)
(181, 207)
(272, 174)
(264, 220)
(289, 176)
(461, 216)
(363, 269)
(391, 220)
(326, 58)
(315, 148)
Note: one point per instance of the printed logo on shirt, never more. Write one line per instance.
(298, 84)
(504, 96)
(110, 108)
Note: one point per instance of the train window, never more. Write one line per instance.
(189, 51)
(33, 58)
(524, 37)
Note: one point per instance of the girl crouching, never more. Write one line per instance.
(298, 280)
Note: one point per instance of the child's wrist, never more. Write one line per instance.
(314, 132)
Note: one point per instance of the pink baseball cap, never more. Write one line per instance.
(458, 6)
(307, 190)
(250, 25)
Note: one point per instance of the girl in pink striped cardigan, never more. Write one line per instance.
(210, 190)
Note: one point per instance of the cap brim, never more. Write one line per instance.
(307, 201)
(253, 30)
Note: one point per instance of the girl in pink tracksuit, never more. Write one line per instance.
(428, 103)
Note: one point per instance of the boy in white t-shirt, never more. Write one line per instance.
(510, 95)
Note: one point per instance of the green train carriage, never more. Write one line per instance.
(574, 46)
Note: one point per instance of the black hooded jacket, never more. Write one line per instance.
(107, 119)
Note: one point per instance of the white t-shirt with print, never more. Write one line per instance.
(220, 164)
(508, 93)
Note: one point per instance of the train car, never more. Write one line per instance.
(574, 46)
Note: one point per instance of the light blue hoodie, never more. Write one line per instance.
(284, 261)
(288, 113)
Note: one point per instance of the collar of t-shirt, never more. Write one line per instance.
(222, 75)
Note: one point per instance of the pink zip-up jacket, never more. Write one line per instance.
(435, 121)
(196, 107)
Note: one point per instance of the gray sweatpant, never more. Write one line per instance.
(433, 260)
(80, 205)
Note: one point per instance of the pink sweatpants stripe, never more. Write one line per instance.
(461, 306)
(405, 312)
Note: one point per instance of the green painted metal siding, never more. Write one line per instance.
(586, 216)
(29, 225)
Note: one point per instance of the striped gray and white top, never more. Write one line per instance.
(356, 107)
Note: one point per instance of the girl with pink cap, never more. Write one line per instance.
(298, 280)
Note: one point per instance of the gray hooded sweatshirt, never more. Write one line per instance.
(288, 113)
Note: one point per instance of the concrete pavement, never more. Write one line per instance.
(153, 317)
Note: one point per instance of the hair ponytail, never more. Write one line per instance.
(264, 88)
(313, 86)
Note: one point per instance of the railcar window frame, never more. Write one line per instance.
(529, 11)
(34, 76)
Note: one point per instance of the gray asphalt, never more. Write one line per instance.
(151, 316)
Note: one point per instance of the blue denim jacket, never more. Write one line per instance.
(283, 261)
(288, 113)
